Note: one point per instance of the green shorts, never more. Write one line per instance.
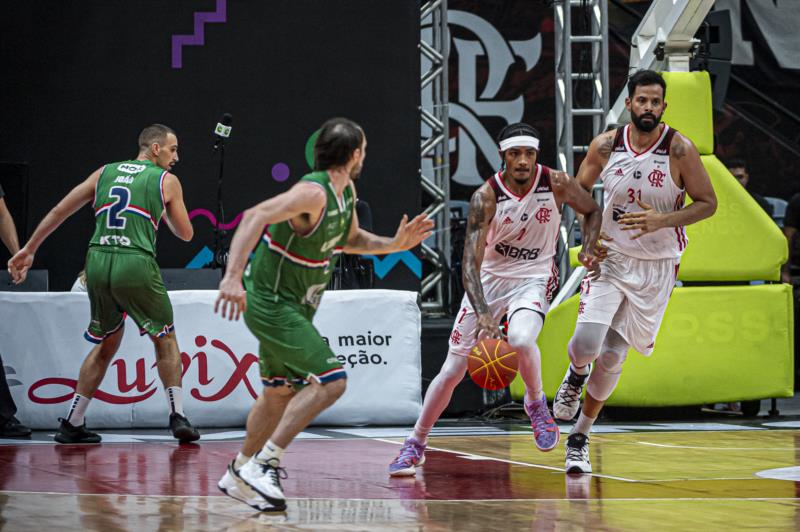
(125, 283)
(290, 349)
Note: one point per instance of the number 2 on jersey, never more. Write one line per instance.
(123, 199)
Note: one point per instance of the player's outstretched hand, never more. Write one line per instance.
(232, 299)
(487, 327)
(645, 221)
(19, 264)
(409, 234)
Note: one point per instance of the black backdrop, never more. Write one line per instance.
(80, 80)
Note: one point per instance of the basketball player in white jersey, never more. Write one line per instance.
(647, 169)
(509, 268)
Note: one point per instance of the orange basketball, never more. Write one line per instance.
(492, 364)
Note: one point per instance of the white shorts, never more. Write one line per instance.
(631, 296)
(504, 296)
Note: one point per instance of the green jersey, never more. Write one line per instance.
(128, 205)
(296, 268)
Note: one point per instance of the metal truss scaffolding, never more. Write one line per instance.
(434, 151)
(569, 74)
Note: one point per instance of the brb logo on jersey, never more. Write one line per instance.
(656, 178)
(543, 215)
(513, 252)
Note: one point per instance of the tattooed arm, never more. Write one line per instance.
(596, 159)
(684, 161)
(482, 208)
(588, 174)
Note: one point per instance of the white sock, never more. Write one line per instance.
(527, 397)
(175, 399)
(582, 370)
(584, 424)
(77, 410)
(269, 452)
(421, 434)
(241, 460)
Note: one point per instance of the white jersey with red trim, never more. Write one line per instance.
(629, 176)
(522, 238)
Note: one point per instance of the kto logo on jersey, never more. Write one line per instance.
(543, 215)
(656, 178)
(131, 168)
(513, 252)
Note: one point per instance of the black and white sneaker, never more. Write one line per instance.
(182, 430)
(577, 447)
(232, 485)
(568, 397)
(264, 476)
(68, 433)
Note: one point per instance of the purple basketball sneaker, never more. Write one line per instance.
(412, 455)
(545, 430)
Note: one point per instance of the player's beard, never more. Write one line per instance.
(516, 176)
(355, 171)
(644, 125)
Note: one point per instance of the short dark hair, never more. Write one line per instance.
(155, 133)
(736, 163)
(642, 78)
(338, 139)
(518, 129)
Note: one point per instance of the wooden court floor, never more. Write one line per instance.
(681, 480)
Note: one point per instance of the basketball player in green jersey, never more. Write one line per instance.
(300, 235)
(122, 278)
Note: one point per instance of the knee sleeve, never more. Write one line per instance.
(606, 372)
(584, 346)
(524, 328)
(453, 369)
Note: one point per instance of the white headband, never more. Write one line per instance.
(522, 140)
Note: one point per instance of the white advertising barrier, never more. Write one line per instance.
(374, 333)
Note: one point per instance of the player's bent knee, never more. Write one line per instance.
(521, 338)
(611, 361)
(336, 388)
(580, 354)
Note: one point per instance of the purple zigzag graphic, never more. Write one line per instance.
(201, 18)
(213, 219)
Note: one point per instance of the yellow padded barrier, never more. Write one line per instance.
(689, 107)
(716, 344)
(739, 243)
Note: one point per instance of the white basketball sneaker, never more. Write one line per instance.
(577, 447)
(568, 397)
(233, 486)
(264, 476)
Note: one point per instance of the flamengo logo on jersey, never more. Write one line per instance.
(543, 215)
(131, 168)
(508, 220)
(656, 178)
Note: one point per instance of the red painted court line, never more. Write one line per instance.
(339, 469)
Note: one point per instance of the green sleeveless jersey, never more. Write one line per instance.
(296, 268)
(128, 205)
